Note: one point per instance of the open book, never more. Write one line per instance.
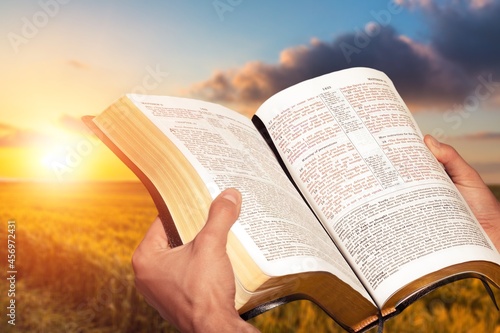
(342, 202)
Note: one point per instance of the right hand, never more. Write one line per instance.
(482, 202)
(193, 286)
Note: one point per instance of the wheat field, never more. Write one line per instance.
(73, 249)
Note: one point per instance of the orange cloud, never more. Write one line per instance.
(16, 137)
(73, 128)
(72, 124)
(78, 64)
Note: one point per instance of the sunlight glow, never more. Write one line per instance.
(51, 154)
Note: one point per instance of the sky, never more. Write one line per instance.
(62, 59)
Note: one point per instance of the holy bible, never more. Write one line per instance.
(343, 204)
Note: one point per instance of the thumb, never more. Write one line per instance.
(224, 211)
(456, 167)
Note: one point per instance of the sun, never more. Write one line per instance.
(62, 156)
(83, 158)
(51, 155)
(68, 157)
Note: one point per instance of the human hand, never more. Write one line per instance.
(192, 286)
(482, 202)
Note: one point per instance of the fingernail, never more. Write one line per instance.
(231, 195)
(434, 142)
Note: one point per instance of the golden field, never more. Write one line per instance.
(73, 249)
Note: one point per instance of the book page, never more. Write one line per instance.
(276, 226)
(357, 155)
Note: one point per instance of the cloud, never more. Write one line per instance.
(436, 75)
(482, 136)
(72, 124)
(430, 4)
(487, 168)
(78, 64)
(73, 127)
(489, 172)
(467, 34)
(16, 137)
(5, 128)
(420, 74)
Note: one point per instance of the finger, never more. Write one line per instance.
(224, 211)
(154, 240)
(155, 237)
(456, 167)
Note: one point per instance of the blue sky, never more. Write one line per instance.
(189, 38)
(63, 59)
